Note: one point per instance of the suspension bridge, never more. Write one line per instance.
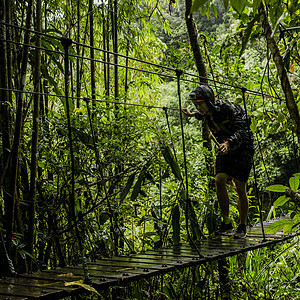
(121, 270)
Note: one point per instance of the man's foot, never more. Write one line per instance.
(224, 228)
(240, 232)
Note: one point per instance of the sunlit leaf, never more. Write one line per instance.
(285, 225)
(280, 201)
(277, 188)
(85, 286)
(294, 183)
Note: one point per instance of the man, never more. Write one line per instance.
(234, 154)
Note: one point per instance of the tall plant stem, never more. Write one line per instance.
(93, 85)
(66, 44)
(14, 154)
(35, 130)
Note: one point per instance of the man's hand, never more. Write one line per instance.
(223, 148)
(187, 112)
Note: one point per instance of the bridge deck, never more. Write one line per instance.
(107, 272)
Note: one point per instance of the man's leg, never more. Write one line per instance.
(221, 181)
(243, 204)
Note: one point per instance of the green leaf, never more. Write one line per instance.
(285, 225)
(197, 4)
(127, 187)
(85, 138)
(85, 286)
(238, 5)
(256, 4)
(214, 10)
(246, 37)
(277, 188)
(138, 184)
(104, 216)
(176, 225)
(193, 220)
(154, 211)
(253, 125)
(170, 159)
(294, 183)
(226, 3)
(280, 201)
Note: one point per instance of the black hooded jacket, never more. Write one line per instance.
(229, 124)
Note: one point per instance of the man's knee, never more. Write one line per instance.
(240, 187)
(221, 179)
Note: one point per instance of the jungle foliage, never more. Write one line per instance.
(92, 165)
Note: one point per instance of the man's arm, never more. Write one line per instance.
(187, 112)
(239, 129)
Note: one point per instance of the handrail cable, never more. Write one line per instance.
(88, 99)
(254, 171)
(139, 60)
(152, 72)
(188, 202)
(169, 128)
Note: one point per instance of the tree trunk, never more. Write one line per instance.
(104, 34)
(12, 171)
(193, 35)
(93, 85)
(78, 84)
(4, 94)
(35, 130)
(4, 122)
(115, 46)
(282, 72)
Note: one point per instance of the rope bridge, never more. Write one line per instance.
(120, 270)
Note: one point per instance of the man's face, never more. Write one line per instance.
(202, 107)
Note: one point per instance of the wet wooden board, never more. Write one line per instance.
(8, 290)
(118, 270)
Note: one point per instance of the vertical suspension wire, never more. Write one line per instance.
(169, 128)
(253, 166)
(66, 44)
(188, 203)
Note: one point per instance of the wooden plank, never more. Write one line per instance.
(40, 282)
(133, 264)
(9, 290)
(119, 271)
(120, 276)
(12, 297)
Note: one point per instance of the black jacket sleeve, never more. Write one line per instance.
(238, 129)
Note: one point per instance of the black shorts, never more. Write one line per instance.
(237, 164)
